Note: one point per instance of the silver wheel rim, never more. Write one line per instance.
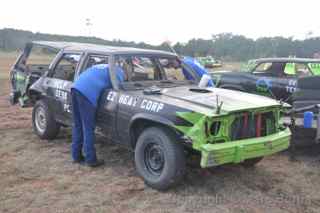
(40, 120)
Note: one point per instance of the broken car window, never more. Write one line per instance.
(65, 69)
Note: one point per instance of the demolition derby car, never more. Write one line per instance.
(291, 80)
(156, 111)
(274, 77)
(305, 112)
(209, 62)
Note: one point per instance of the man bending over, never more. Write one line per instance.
(85, 93)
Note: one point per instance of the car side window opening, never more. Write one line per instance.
(138, 68)
(144, 69)
(65, 68)
(38, 59)
(173, 69)
(290, 69)
(249, 66)
(95, 60)
(315, 68)
(275, 69)
(302, 70)
(297, 70)
(262, 68)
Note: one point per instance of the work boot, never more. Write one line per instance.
(80, 160)
(96, 164)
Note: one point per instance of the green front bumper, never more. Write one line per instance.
(240, 150)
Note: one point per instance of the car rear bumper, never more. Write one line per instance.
(240, 150)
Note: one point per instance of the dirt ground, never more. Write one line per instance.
(38, 176)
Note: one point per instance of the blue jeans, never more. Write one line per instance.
(84, 123)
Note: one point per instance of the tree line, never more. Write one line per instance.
(225, 46)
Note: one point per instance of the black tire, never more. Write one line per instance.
(167, 166)
(43, 122)
(249, 163)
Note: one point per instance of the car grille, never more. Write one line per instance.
(249, 125)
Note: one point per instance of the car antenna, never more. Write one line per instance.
(167, 42)
(219, 105)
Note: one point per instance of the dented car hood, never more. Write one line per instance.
(206, 102)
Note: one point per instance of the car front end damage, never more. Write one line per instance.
(234, 137)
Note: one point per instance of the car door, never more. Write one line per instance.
(287, 81)
(58, 85)
(31, 64)
(271, 79)
(138, 70)
(108, 101)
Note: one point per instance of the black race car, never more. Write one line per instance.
(274, 77)
(156, 112)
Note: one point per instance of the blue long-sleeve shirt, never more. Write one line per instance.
(94, 80)
(197, 67)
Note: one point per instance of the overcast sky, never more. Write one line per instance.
(155, 21)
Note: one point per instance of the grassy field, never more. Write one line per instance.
(38, 176)
(229, 66)
(6, 61)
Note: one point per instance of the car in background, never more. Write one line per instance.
(305, 112)
(209, 62)
(273, 77)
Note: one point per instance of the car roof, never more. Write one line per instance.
(287, 60)
(95, 48)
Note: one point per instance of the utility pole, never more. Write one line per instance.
(88, 24)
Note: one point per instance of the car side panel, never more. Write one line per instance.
(59, 93)
(279, 88)
(236, 81)
(134, 106)
(107, 114)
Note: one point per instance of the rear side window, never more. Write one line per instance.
(41, 55)
(315, 68)
(38, 59)
(66, 67)
(302, 70)
(297, 70)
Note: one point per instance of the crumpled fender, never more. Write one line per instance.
(149, 117)
(38, 86)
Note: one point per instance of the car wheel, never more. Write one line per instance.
(251, 162)
(159, 159)
(43, 122)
